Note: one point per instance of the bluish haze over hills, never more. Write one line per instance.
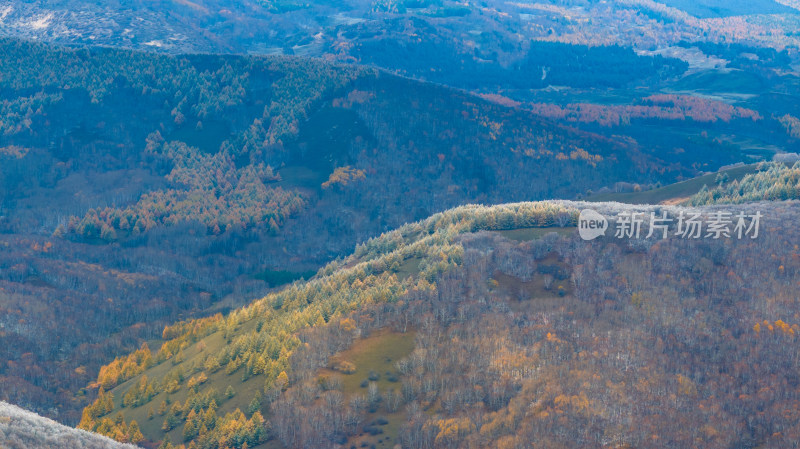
(164, 164)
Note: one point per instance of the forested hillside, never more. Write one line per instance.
(139, 189)
(507, 330)
(551, 53)
(229, 224)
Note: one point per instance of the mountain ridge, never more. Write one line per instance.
(371, 290)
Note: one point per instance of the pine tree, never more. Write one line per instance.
(255, 405)
(190, 428)
(166, 443)
(134, 433)
(282, 381)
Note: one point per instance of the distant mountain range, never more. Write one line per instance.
(492, 30)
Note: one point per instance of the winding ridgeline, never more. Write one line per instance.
(491, 327)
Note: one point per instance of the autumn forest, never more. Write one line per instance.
(399, 224)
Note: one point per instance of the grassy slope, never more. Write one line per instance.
(376, 354)
(193, 356)
(673, 193)
(527, 234)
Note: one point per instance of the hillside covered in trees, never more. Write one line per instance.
(506, 329)
(183, 184)
(139, 189)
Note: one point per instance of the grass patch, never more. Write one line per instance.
(674, 193)
(528, 234)
(536, 287)
(302, 177)
(409, 267)
(376, 353)
(715, 81)
(208, 138)
(374, 357)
